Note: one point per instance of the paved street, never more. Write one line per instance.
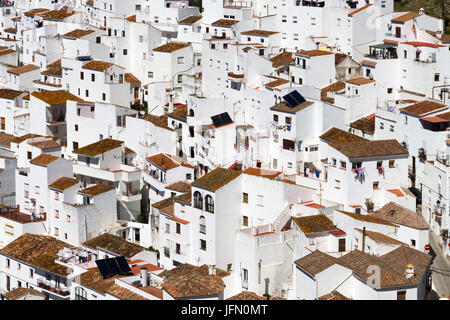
(440, 269)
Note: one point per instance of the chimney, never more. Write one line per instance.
(421, 11)
(266, 294)
(171, 103)
(439, 34)
(364, 239)
(212, 269)
(409, 271)
(144, 277)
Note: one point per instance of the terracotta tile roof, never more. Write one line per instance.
(131, 18)
(9, 93)
(246, 295)
(423, 44)
(398, 259)
(20, 292)
(375, 148)
(271, 174)
(167, 162)
(364, 124)
(4, 52)
(397, 192)
(180, 186)
(444, 39)
(169, 210)
(171, 46)
(260, 33)
(397, 214)
(58, 14)
(96, 189)
(99, 147)
(159, 121)
(33, 12)
(335, 135)
(284, 107)
(56, 97)
(165, 203)
(184, 198)
(234, 75)
(63, 183)
(367, 218)
(405, 17)
(45, 144)
(216, 179)
(187, 281)
(368, 63)
(78, 33)
(6, 139)
(224, 22)
(10, 30)
(281, 59)
(190, 20)
(130, 78)
(334, 87)
(180, 220)
(25, 137)
(53, 69)
(314, 53)
(97, 65)
(180, 113)
(380, 238)
(39, 251)
(316, 262)
(23, 69)
(114, 244)
(333, 295)
(315, 224)
(423, 107)
(94, 280)
(339, 57)
(43, 159)
(137, 269)
(276, 83)
(360, 81)
(351, 14)
(129, 151)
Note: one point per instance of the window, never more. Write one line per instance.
(275, 118)
(125, 52)
(178, 228)
(343, 164)
(188, 176)
(180, 60)
(245, 197)
(76, 127)
(8, 263)
(389, 90)
(413, 242)
(141, 39)
(401, 295)
(31, 273)
(405, 54)
(104, 96)
(202, 245)
(56, 195)
(18, 266)
(391, 163)
(56, 232)
(87, 93)
(167, 228)
(92, 77)
(56, 214)
(406, 119)
(178, 248)
(391, 128)
(150, 74)
(198, 200)
(65, 236)
(245, 221)
(436, 77)
(376, 185)
(245, 274)
(74, 145)
(202, 224)
(82, 75)
(80, 294)
(209, 203)
(333, 161)
(288, 120)
(260, 201)
(29, 155)
(180, 78)
(68, 219)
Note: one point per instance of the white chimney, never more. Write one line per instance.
(409, 271)
(144, 277)
(439, 34)
(212, 269)
(421, 11)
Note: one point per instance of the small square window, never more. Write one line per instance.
(245, 197)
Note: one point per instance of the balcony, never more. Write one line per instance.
(15, 215)
(51, 288)
(124, 173)
(130, 196)
(236, 4)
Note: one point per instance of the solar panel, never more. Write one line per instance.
(297, 96)
(225, 117)
(113, 266)
(217, 121)
(103, 268)
(123, 264)
(290, 100)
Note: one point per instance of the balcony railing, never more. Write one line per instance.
(49, 286)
